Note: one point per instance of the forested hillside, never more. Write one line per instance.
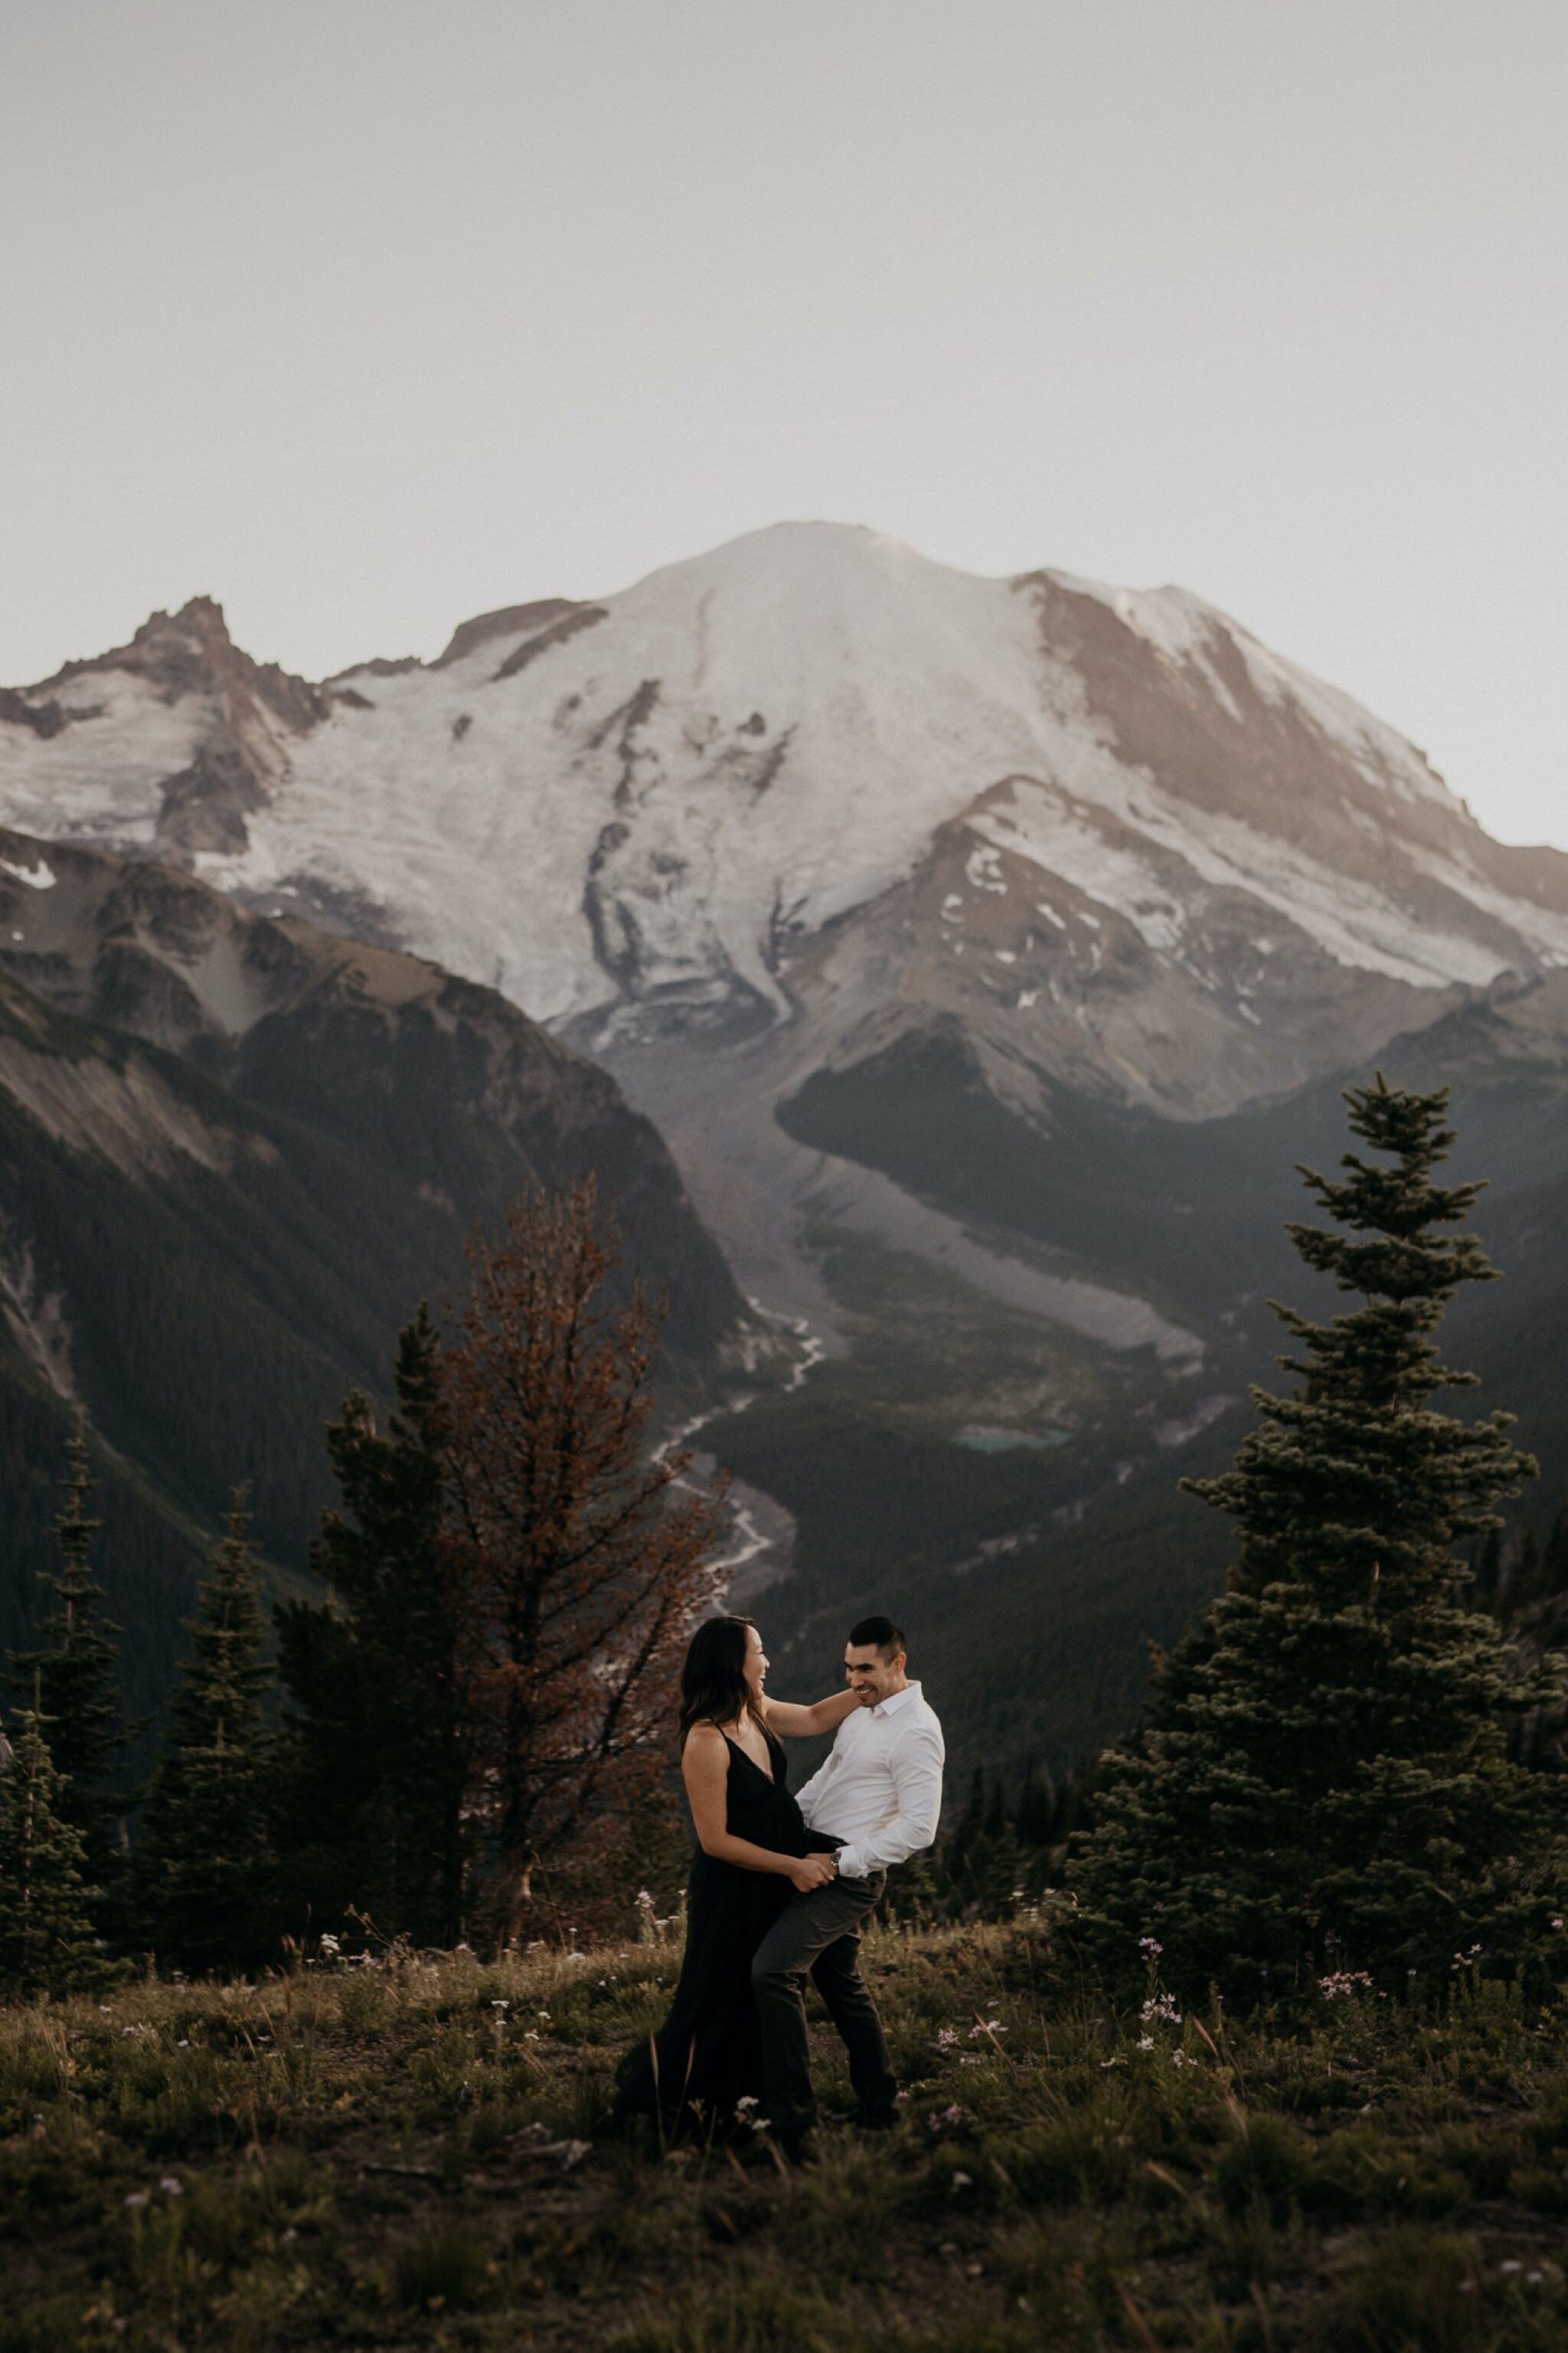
(234, 1155)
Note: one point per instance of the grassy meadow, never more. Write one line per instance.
(402, 2156)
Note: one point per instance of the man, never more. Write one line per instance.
(880, 1794)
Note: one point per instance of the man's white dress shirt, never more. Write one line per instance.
(880, 1788)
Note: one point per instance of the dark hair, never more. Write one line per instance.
(713, 1686)
(888, 1637)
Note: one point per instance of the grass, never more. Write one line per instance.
(396, 2158)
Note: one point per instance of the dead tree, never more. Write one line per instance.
(579, 1554)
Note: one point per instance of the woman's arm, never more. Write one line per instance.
(705, 1769)
(792, 1722)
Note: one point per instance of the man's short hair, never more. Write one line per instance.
(887, 1638)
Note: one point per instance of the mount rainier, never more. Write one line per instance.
(986, 951)
(774, 810)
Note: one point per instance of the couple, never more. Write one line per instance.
(781, 1884)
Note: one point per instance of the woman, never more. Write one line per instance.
(753, 1852)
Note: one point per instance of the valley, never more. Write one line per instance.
(977, 958)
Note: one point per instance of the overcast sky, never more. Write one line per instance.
(365, 315)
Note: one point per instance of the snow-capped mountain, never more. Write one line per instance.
(659, 799)
(809, 793)
(987, 952)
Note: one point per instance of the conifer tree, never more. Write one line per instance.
(74, 1676)
(47, 1941)
(375, 1750)
(1034, 1819)
(1487, 1588)
(1554, 1559)
(1526, 1584)
(205, 1860)
(1322, 1770)
(579, 1556)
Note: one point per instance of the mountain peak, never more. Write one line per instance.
(658, 809)
(201, 617)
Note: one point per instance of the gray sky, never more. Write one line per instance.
(363, 315)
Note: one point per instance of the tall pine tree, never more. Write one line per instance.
(206, 1869)
(74, 1677)
(47, 1941)
(1322, 1771)
(376, 1747)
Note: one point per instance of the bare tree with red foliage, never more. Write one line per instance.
(579, 1555)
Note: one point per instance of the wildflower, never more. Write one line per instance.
(946, 2036)
(1512, 2265)
(985, 2026)
(502, 2005)
(1341, 1983)
(331, 1949)
(969, 2059)
(1161, 2006)
(1152, 1947)
(171, 2186)
(183, 2043)
(963, 2181)
(1179, 2059)
(747, 2101)
(1557, 1924)
(1145, 2042)
(138, 2198)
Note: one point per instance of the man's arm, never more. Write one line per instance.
(916, 1768)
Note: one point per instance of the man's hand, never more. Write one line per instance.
(813, 1871)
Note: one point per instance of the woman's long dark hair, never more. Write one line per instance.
(713, 1686)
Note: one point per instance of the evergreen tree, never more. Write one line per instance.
(963, 1844)
(1526, 1584)
(580, 1555)
(1554, 1559)
(1035, 1818)
(375, 1754)
(74, 1675)
(1322, 1770)
(1001, 1869)
(48, 1942)
(1489, 1570)
(205, 1862)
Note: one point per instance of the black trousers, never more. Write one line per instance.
(819, 1933)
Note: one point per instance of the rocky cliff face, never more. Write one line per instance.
(810, 796)
(653, 810)
(986, 950)
(235, 1153)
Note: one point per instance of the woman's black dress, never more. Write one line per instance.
(708, 2055)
